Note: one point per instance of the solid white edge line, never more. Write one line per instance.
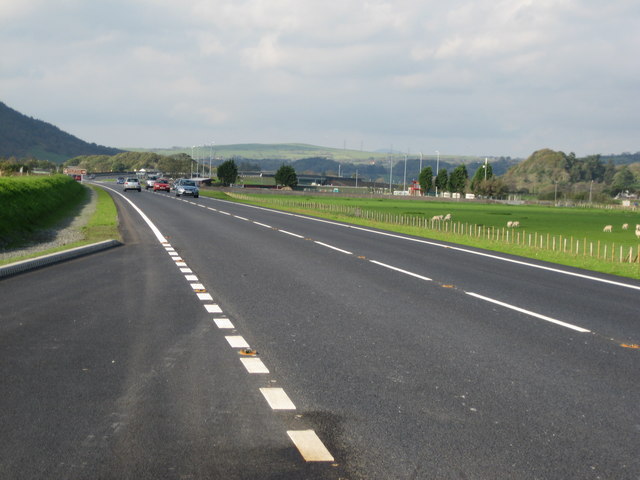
(333, 248)
(310, 446)
(254, 365)
(277, 399)
(528, 312)
(236, 341)
(427, 279)
(292, 234)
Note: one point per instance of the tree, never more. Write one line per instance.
(425, 178)
(228, 172)
(458, 179)
(485, 172)
(442, 180)
(286, 176)
(622, 180)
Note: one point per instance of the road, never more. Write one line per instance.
(398, 357)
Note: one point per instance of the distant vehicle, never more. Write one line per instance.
(150, 181)
(186, 187)
(132, 183)
(161, 184)
(77, 178)
(120, 180)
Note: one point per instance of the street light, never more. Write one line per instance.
(404, 185)
(437, 171)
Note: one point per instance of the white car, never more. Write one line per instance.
(132, 183)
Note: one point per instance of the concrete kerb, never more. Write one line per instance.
(43, 261)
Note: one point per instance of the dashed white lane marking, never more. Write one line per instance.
(291, 233)
(277, 399)
(391, 267)
(224, 213)
(310, 446)
(263, 225)
(333, 248)
(197, 286)
(213, 308)
(181, 264)
(241, 218)
(191, 278)
(254, 365)
(204, 296)
(237, 341)
(223, 323)
(173, 253)
(186, 270)
(530, 313)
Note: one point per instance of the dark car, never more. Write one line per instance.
(120, 180)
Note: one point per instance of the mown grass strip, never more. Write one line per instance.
(102, 225)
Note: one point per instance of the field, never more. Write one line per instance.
(570, 236)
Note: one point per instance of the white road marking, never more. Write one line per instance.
(213, 308)
(237, 341)
(254, 365)
(333, 248)
(186, 270)
(263, 224)
(277, 399)
(310, 446)
(241, 218)
(224, 213)
(204, 296)
(223, 323)
(191, 278)
(401, 271)
(173, 253)
(197, 286)
(528, 312)
(181, 264)
(292, 234)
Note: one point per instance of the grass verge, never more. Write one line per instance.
(102, 225)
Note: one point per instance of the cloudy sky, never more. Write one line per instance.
(478, 77)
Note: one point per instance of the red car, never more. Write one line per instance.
(161, 184)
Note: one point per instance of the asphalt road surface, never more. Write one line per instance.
(379, 356)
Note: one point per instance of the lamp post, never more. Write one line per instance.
(485, 168)
(437, 171)
(404, 185)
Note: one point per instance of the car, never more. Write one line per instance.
(132, 183)
(186, 187)
(120, 180)
(161, 184)
(150, 181)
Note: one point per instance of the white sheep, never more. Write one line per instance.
(436, 218)
(625, 226)
(608, 228)
(515, 224)
(447, 216)
(638, 233)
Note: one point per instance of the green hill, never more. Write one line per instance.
(26, 137)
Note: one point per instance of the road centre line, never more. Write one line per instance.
(530, 313)
(223, 323)
(277, 399)
(292, 234)
(441, 245)
(310, 446)
(308, 443)
(391, 267)
(262, 224)
(332, 247)
(237, 341)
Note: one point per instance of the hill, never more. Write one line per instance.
(24, 137)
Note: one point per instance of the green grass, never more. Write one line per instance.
(103, 225)
(574, 225)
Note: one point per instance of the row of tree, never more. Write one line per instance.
(483, 182)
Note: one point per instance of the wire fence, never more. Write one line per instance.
(568, 245)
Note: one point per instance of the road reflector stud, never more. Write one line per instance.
(447, 286)
(249, 352)
(634, 346)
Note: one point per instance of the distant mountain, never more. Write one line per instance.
(22, 137)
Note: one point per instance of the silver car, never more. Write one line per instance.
(186, 187)
(132, 183)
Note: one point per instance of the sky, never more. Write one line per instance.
(461, 77)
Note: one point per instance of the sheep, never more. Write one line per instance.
(436, 218)
(638, 233)
(514, 224)
(447, 216)
(625, 226)
(608, 228)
